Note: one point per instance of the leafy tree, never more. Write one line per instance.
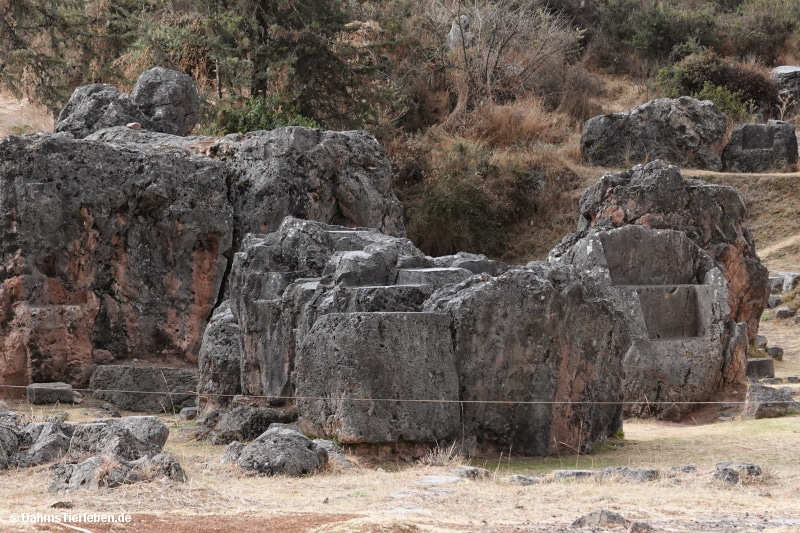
(50, 46)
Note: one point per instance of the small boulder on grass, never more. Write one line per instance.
(731, 472)
(768, 402)
(282, 451)
(602, 518)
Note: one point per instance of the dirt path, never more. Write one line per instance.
(22, 117)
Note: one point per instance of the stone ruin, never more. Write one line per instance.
(657, 196)
(685, 347)
(348, 320)
(131, 256)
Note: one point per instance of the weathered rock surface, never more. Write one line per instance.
(116, 247)
(162, 100)
(282, 282)
(282, 451)
(685, 347)
(684, 131)
(768, 402)
(761, 148)
(169, 100)
(42, 393)
(105, 250)
(101, 471)
(516, 337)
(334, 315)
(97, 106)
(115, 383)
(391, 356)
(657, 196)
(247, 423)
(220, 356)
(148, 429)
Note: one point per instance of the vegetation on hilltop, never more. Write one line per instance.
(482, 130)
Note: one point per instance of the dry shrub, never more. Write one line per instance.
(521, 122)
(442, 455)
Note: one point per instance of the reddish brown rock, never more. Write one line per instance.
(107, 253)
(657, 196)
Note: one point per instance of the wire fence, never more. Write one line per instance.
(410, 400)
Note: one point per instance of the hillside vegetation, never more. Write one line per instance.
(484, 138)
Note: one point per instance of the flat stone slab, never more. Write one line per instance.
(44, 393)
(115, 383)
(761, 367)
(431, 276)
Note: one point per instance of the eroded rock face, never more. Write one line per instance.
(684, 131)
(685, 347)
(657, 196)
(169, 99)
(106, 250)
(538, 334)
(117, 246)
(281, 451)
(220, 356)
(329, 313)
(761, 148)
(334, 177)
(378, 355)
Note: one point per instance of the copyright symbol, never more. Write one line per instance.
(13, 518)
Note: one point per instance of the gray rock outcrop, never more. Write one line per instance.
(761, 148)
(117, 246)
(516, 337)
(281, 451)
(219, 358)
(685, 347)
(657, 196)
(338, 315)
(169, 99)
(97, 106)
(162, 100)
(389, 356)
(684, 131)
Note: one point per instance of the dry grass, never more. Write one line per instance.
(522, 122)
(393, 496)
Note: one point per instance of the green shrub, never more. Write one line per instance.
(730, 103)
(690, 76)
(658, 29)
(263, 113)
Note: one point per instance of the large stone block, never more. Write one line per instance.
(684, 131)
(115, 383)
(543, 336)
(352, 369)
(106, 251)
(761, 148)
(685, 348)
(657, 196)
(58, 392)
